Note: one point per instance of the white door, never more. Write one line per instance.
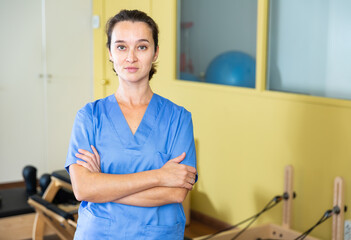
(44, 79)
(21, 88)
(69, 51)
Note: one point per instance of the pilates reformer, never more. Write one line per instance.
(62, 218)
(284, 231)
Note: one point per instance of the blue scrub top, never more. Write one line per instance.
(165, 132)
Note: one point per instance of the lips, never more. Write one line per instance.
(131, 69)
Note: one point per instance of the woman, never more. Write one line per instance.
(131, 156)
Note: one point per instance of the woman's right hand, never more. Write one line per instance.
(91, 160)
(174, 174)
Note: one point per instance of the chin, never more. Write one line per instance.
(132, 79)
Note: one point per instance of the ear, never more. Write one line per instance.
(110, 55)
(156, 54)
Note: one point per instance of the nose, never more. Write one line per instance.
(131, 56)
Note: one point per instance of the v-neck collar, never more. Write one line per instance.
(122, 128)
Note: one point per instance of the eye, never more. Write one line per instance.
(142, 47)
(121, 47)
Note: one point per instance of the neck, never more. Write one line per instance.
(133, 95)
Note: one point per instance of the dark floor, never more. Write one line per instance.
(51, 237)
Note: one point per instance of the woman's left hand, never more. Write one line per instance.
(91, 160)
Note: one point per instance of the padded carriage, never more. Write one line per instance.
(62, 217)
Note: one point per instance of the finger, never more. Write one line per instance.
(86, 165)
(191, 169)
(85, 158)
(191, 175)
(89, 166)
(191, 181)
(86, 155)
(96, 154)
(85, 152)
(179, 158)
(94, 150)
(95, 160)
(89, 161)
(189, 186)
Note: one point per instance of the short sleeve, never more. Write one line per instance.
(82, 136)
(184, 140)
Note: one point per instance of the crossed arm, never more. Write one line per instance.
(169, 184)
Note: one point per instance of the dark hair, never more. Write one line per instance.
(133, 16)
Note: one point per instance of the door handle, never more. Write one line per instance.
(104, 82)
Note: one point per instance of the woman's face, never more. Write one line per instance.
(132, 51)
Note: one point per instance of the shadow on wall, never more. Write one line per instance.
(205, 201)
(198, 196)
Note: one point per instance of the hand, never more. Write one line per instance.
(174, 174)
(91, 161)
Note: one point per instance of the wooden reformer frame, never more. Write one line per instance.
(50, 215)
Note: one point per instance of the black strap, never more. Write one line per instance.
(52, 207)
(62, 175)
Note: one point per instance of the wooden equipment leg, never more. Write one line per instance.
(38, 227)
(61, 226)
(40, 221)
(288, 203)
(338, 219)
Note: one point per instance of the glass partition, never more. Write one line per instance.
(216, 41)
(309, 50)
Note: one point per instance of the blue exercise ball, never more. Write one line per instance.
(232, 68)
(189, 77)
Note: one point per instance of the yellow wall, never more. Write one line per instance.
(246, 137)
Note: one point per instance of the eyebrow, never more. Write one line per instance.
(140, 40)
